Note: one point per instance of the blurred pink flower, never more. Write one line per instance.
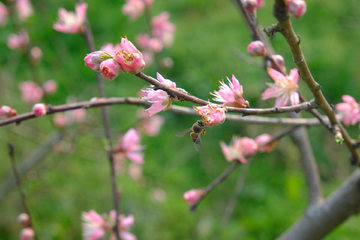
(24, 219)
(239, 149)
(250, 5)
(279, 60)
(193, 196)
(296, 8)
(60, 120)
(129, 147)
(231, 95)
(166, 62)
(3, 14)
(262, 139)
(135, 171)
(110, 69)
(70, 22)
(142, 40)
(39, 109)
(93, 226)
(124, 226)
(212, 114)
(36, 55)
(133, 8)
(256, 49)
(110, 48)
(163, 29)
(349, 110)
(130, 59)
(27, 233)
(6, 111)
(158, 195)
(50, 86)
(284, 89)
(260, 3)
(24, 9)
(31, 92)
(79, 115)
(151, 126)
(19, 41)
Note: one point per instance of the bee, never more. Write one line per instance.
(197, 130)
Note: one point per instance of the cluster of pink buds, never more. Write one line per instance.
(6, 111)
(256, 49)
(296, 8)
(95, 226)
(18, 41)
(193, 196)
(40, 109)
(160, 99)
(70, 22)
(124, 57)
(284, 89)
(27, 233)
(252, 5)
(212, 114)
(134, 8)
(349, 110)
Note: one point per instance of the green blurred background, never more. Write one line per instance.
(76, 178)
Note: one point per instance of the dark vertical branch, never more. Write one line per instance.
(18, 183)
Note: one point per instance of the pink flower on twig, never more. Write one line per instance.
(130, 58)
(133, 8)
(284, 89)
(27, 233)
(93, 226)
(124, 226)
(163, 29)
(296, 8)
(18, 41)
(256, 49)
(239, 149)
(263, 139)
(39, 109)
(70, 22)
(129, 147)
(349, 110)
(6, 111)
(31, 92)
(212, 114)
(231, 95)
(193, 196)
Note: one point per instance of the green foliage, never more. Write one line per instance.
(77, 178)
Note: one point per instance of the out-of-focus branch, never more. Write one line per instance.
(321, 219)
(18, 183)
(286, 29)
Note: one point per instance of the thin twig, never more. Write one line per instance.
(18, 183)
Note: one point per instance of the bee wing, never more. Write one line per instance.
(183, 132)
(197, 143)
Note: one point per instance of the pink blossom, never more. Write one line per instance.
(79, 115)
(296, 8)
(94, 59)
(260, 3)
(110, 69)
(31, 92)
(212, 114)
(129, 147)
(284, 89)
(39, 109)
(279, 60)
(151, 126)
(193, 196)
(349, 110)
(262, 139)
(36, 55)
(130, 59)
(163, 29)
(135, 171)
(60, 120)
(110, 48)
(93, 225)
(6, 111)
(142, 40)
(239, 149)
(24, 9)
(256, 49)
(24, 219)
(70, 22)
(155, 45)
(19, 41)
(231, 95)
(50, 86)
(27, 233)
(3, 14)
(250, 5)
(160, 99)
(133, 8)
(124, 226)
(165, 81)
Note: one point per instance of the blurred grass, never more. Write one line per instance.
(66, 183)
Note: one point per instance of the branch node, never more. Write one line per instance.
(299, 39)
(318, 87)
(272, 30)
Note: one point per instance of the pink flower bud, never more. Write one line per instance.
(212, 114)
(279, 60)
(249, 146)
(30, 91)
(6, 111)
(94, 59)
(130, 59)
(110, 69)
(39, 109)
(24, 219)
(256, 49)
(50, 86)
(193, 196)
(250, 5)
(27, 233)
(262, 140)
(3, 14)
(296, 8)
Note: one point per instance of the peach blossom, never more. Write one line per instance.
(30, 91)
(193, 196)
(349, 110)
(24, 9)
(70, 22)
(130, 59)
(6, 111)
(212, 114)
